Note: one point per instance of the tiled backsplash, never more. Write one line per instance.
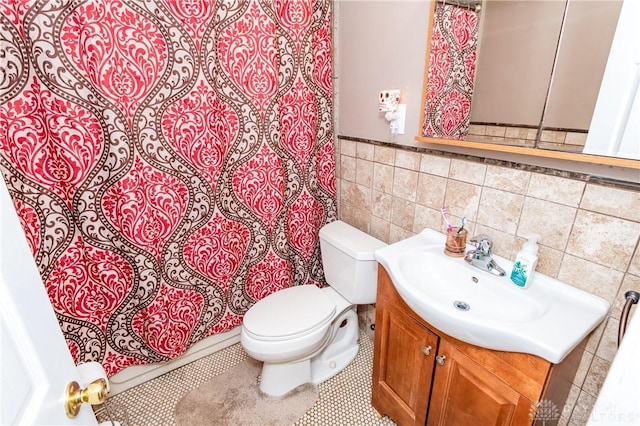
(590, 232)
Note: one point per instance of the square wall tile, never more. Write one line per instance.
(348, 168)
(593, 339)
(405, 184)
(549, 259)
(435, 165)
(512, 180)
(384, 155)
(402, 213)
(612, 201)
(462, 199)
(379, 228)
(551, 221)
(365, 151)
(554, 136)
(566, 411)
(634, 267)
(477, 129)
(498, 131)
(516, 132)
(383, 177)
(362, 198)
(596, 375)
(557, 189)
(431, 190)
(408, 160)
(468, 171)
(381, 205)
(575, 138)
(426, 217)
(608, 346)
(500, 210)
(397, 233)
(361, 219)
(348, 148)
(346, 212)
(582, 409)
(591, 277)
(604, 239)
(364, 172)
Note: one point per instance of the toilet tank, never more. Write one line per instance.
(348, 262)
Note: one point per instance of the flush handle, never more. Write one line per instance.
(440, 359)
(426, 350)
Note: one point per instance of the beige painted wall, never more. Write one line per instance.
(381, 45)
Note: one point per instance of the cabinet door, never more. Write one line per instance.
(403, 366)
(465, 393)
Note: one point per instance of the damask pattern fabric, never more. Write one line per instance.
(171, 161)
(451, 74)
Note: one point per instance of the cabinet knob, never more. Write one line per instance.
(426, 350)
(440, 359)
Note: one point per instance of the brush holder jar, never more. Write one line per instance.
(456, 243)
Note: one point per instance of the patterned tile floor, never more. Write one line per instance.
(343, 400)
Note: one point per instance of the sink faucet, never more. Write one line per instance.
(481, 258)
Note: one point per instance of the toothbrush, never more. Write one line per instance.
(462, 219)
(443, 210)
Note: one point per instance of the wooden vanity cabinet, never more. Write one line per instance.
(423, 376)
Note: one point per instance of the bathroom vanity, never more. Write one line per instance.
(424, 376)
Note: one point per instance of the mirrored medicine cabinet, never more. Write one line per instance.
(525, 77)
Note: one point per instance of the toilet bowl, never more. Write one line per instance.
(306, 334)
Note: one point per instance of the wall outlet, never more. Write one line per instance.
(401, 116)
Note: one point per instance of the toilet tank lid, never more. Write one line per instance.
(352, 241)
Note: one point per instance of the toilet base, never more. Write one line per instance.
(279, 378)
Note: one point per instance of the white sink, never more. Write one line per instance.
(548, 319)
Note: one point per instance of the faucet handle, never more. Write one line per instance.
(483, 244)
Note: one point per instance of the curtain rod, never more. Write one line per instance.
(476, 5)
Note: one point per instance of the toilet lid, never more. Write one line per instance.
(288, 312)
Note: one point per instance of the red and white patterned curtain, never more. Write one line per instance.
(171, 161)
(451, 75)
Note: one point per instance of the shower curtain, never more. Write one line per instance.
(451, 73)
(171, 161)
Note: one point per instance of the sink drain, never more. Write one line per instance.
(463, 306)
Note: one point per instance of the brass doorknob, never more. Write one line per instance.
(95, 393)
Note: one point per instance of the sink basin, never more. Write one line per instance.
(548, 319)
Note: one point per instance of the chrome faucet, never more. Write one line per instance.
(481, 257)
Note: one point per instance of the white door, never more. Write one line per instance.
(35, 364)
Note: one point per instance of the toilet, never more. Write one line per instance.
(305, 334)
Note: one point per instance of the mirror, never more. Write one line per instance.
(517, 76)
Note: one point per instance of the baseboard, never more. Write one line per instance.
(137, 374)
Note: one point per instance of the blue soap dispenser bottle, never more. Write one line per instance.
(526, 260)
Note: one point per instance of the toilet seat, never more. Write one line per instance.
(289, 313)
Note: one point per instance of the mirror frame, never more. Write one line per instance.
(534, 152)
